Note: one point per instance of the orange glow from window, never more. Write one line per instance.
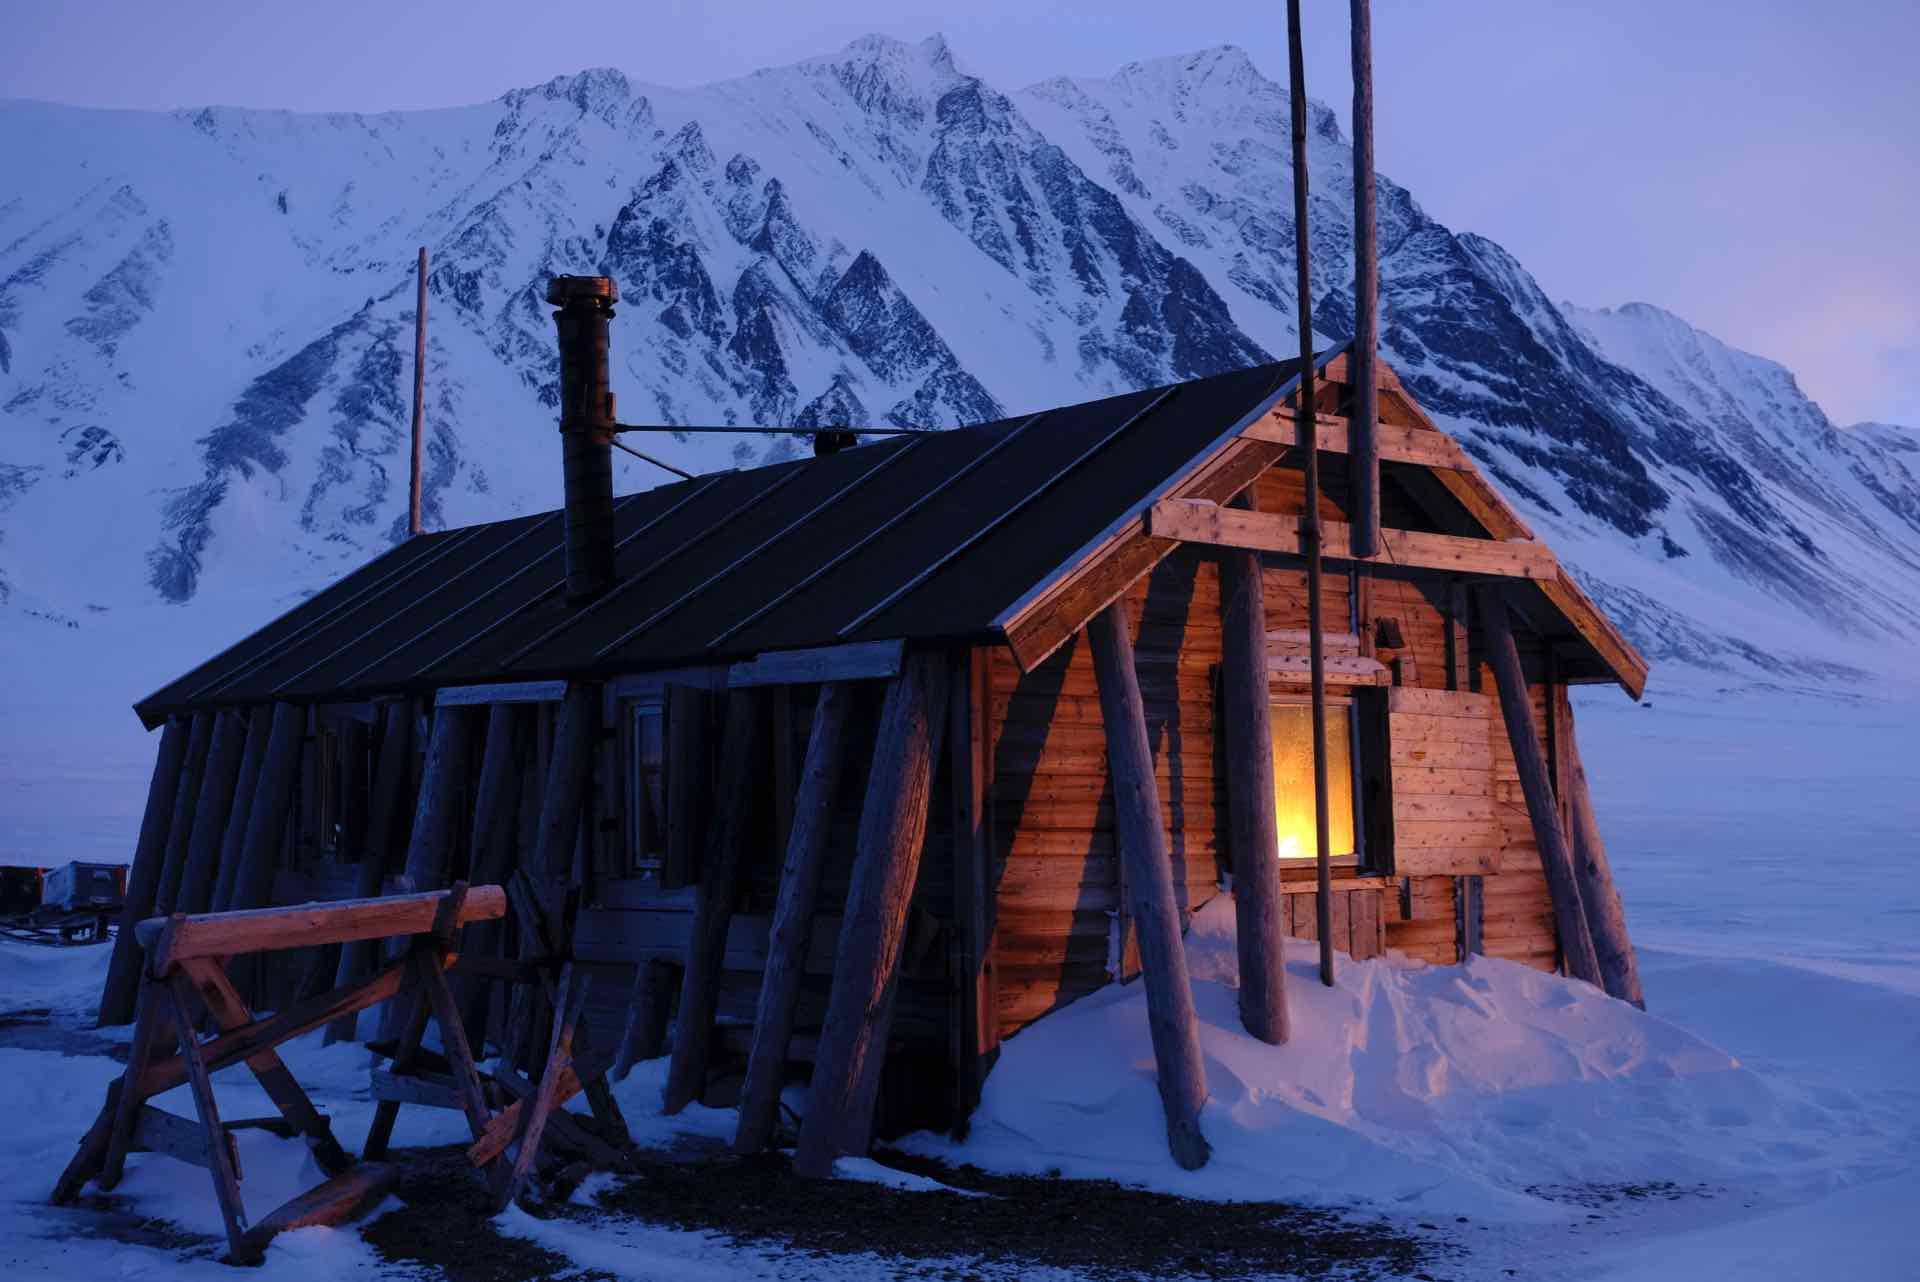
(1293, 780)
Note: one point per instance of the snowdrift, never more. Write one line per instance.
(1446, 1090)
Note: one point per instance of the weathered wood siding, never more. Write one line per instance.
(1456, 809)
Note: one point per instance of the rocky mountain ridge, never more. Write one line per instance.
(206, 321)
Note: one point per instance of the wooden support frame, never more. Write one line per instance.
(793, 917)
(252, 758)
(1259, 910)
(143, 878)
(740, 749)
(211, 812)
(391, 769)
(186, 797)
(893, 821)
(186, 956)
(851, 661)
(1149, 879)
(1191, 521)
(1556, 856)
(1599, 896)
(975, 1036)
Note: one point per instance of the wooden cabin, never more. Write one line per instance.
(824, 752)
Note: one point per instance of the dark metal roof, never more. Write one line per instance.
(924, 537)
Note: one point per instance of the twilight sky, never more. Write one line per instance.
(1753, 165)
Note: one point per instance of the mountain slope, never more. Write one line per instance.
(205, 317)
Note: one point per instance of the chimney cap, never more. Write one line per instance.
(562, 290)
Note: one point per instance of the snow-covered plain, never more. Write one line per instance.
(1762, 1120)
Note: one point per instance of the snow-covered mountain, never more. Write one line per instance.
(206, 316)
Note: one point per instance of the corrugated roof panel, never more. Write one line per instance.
(923, 537)
(1064, 510)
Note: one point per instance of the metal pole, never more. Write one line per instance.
(419, 393)
(1310, 526)
(1364, 447)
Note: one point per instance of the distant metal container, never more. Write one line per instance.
(79, 887)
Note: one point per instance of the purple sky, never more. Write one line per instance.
(1749, 164)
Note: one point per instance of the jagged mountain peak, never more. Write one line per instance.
(596, 91)
(871, 236)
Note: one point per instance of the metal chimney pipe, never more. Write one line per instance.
(585, 305)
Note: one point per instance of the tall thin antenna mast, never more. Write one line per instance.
(1310, 525)
(419, 394)
(1363, 443)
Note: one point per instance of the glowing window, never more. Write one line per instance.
(1293, 780)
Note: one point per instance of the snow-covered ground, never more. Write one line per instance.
(1761, 1121)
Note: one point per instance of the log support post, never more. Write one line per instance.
(1556, 856)
(976, 1010)
(1258, 903)
(211, 813)
(252, 758)
(496, 823)
(1606, 916)
(793, 917)
(390, 778)
(1142, 837)
(893, 822)
(737, 792)
(117, 996)
(186, 796)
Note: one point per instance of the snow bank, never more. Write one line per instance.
(1446, 1090)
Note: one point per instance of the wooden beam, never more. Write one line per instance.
(212, 812)
(1254, 844)
(272, 802)
(976, 1009)
(496, 814)
(226, 1180)
(793, 915)
(853, 661)
(740, 767)
(343, 1198)
(1149, 879)
(1417, 445)
(252, 757)
(1037, 626)
(436, 812)
(1196, 522)
(570, 1000)
(118, 994)
(568, 775)
(1556, 857)
(230, 1048)
(1606, 915)
(1619, 654)
(390, 778)
(1349, 669)
(185, 798)
(501, 692)
(172, 940)
(893, 822)
(649, 1007)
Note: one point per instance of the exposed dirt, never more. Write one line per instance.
(1095, 1229)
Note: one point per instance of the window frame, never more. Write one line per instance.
(639, 862)
(1293, 696)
